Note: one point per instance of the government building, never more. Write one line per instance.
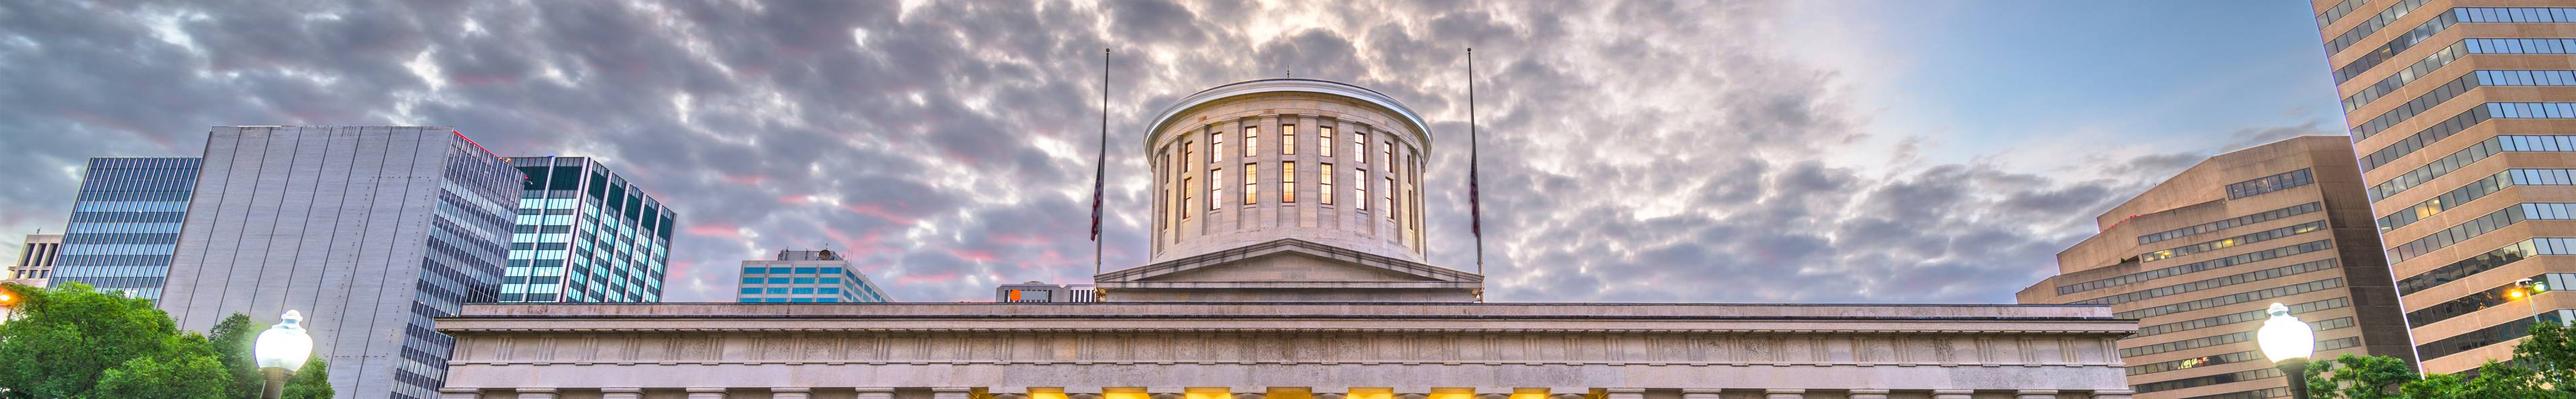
(1287, 262)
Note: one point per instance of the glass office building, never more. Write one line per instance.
(2464, 118)
(806, 276)
(125, 224)
(584, 234)
(370, 231)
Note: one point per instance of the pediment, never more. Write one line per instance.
(1288, 261)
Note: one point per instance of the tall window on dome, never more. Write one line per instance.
(1390, 197)
(1361, 177)
(1251, 141)
(1324, 141)
(1216, 147)
(1188, 200)
(1324, 178)
(1216, 188)
(1287, 139)
(1359, 148)
(1251, 188)
(1288, 182)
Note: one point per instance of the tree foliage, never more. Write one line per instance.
(311, 382)
(76, 342)
(2540, 370)
(232, 340)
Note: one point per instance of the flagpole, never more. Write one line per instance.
(1475, 204)
(1100, 171)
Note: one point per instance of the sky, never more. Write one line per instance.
(1632, 151)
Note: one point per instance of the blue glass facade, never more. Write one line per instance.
(583, 234)
(806, 276)
(125, 223)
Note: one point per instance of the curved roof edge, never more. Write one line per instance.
(1422, 130)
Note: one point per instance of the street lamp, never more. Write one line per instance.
(2288, 342)
(281, 350)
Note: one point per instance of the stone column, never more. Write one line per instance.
(1554, 395)
(1493, 396)
(706, 393)
(950, 393)
(2113, 394)
(1784, 394)
(1251, 395)
(537, 393)
(791, 393)
(1319, 394)
(621, 393)
(1625, 393)
(1699, 394)
(1412, 396)
(1869, 394)
(996, 395)
(1081, 393)
(1952, 393)
(880, 393)
(2036, 394)
(459, 393)
(1156, 395)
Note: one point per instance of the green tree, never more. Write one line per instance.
(311, 382)
(2359, 377)
(76, 342)
(232, 341)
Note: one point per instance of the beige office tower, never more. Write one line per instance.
(2197, 258)
(2460, 112)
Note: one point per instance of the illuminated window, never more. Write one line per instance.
(1287, 182)
(1216, 147)
(1251, 141)
(1189, 152)
(1187, 201)
(1324, 141)
(1390, 197)
(1287, 139)
(1251, 192)
(1361, 177)
(1359, 145)
(1324, 178)
(1216, 187)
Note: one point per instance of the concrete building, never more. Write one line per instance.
(370, 231)
(1273, 294)
(125, 224)
(799, 276)
(2458, 111)
(2197, 259)
(585, 235)
(36, 260)
(1037, 292)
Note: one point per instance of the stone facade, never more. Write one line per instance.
(1598, 351)
(1374, 154)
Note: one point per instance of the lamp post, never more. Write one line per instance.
(2288, 342)
(281, 350)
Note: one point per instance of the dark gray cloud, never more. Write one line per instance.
(1640, 151)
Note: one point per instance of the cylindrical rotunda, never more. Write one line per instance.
(1259, 161)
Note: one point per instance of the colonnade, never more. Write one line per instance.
(1283, 393)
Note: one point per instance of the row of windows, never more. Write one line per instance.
(794, 300)
(1288, 188)
(2421, 68)
(2533, 110)
(2434, 26)
(2481, 300)
(2483, 224)
(2250, 257)
(2265, 393)
(2491, 335)
(2239, 278)
(2265, 216)
(2427, 137)
(130, 206)
(2208, 380)
(2212, 360)
(792, 290)
(2240, 317)
(2486, 261)
(2232, 299)
(791, 270)
(2231, 242)
(2332, 14)
(2433, 97)
(791, 280)
(2470, 155)
(2379, 21)
(2445, 202)
(2268, 184)
(2204, 342)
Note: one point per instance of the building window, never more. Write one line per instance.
(1187, 200)
(1287, 139)
(1216, 147)
(1251, 141)
(1361, 177)
(1288, 182)
(1390, 198)
(1189, 152)
(1359, 145)
(1216, 188)
(1324, 177)
(1251, 192)
(1324, 141)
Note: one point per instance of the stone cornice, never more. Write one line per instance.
(1114, 279)
(1421, 130)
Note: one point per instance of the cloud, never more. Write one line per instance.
(1639, 151)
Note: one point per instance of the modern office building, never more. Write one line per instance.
(1037, 292)
(2461, 114)
(125, 223)
(806, 276)
(585, 235)
(1306, 284)
(370, 231)
(2198, 258)
(36, 259)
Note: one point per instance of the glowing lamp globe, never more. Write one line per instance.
(284, 345)
(2284, 337)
